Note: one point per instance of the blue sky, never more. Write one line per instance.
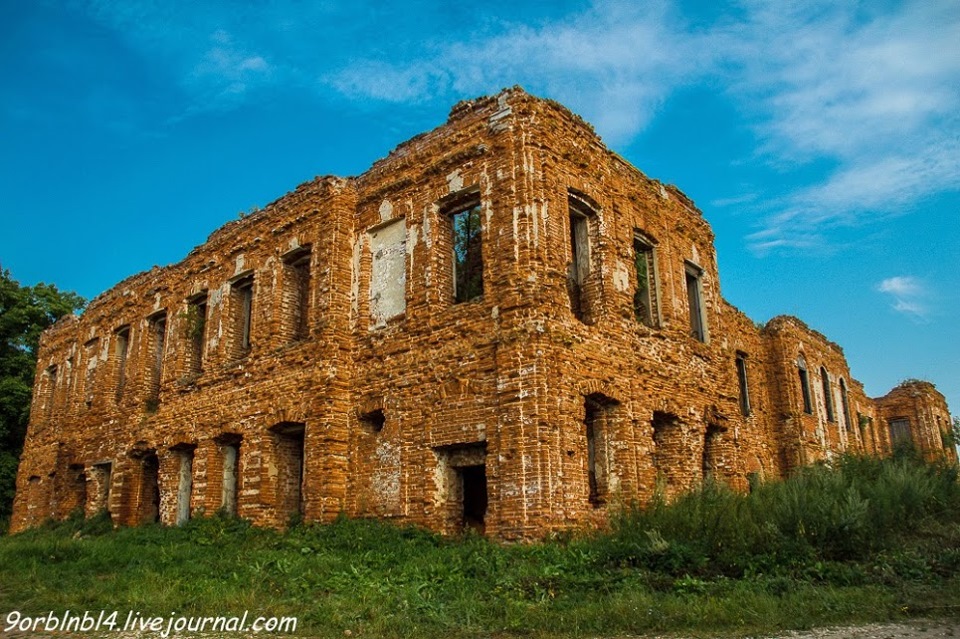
(820, 139)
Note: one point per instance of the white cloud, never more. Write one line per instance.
(910, 295)
(875, 96)
(614, 64)
(855, 104)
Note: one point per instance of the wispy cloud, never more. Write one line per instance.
(614, 63)
(854, 105)
(874, 95)
(910, 296)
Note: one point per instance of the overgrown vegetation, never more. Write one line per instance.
(864, 540)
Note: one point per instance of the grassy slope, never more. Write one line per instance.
(867, 540)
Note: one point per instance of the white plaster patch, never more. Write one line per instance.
(385, 479)
(388, 274)
(455, 181)
(238, 265)
(621, 277)
(386, 211)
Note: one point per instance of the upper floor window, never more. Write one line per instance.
(196, 328)
(122, 351)
(158, 338)
(90, 350)
(583, 222)
(805, 385)
(743, 383)
(845, 404)
(296, 294)
(49, 390)
(900, 431)
(241, 299)
(827, 396)
(698, 324)
(645, 296)
(465, 221)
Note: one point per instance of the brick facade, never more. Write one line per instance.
(501, 325)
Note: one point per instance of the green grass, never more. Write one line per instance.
(866, 540)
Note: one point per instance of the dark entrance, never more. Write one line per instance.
(474, 480)
(150, 490)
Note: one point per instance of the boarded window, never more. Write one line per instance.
(102, 477)
(645, 296)
(827, 395)
(465, 221)
(743, 383)
(184, 484)
(845, 404)
(90, 350)
(296, 294)
(712, 452)
(388, 272)
(805, 385)
(231, 465)
(698, 325)
(121, 352)
(241, 298)
(49, 390)
(196, 329)
(900, 434)
(668, 449)
(289, 464)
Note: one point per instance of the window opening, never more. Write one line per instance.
(196, 331)
(149, 489)
(50, 390)
(158, 337)
(122, 351)
(644, 297)
(711, 452)
(827, 395)
(694, 277)
(231, 464)
(103, 476)
(184, 484)
(474, 483)
(582, 216)
(242, 292)
(297, 293)
(289, 447)
(467, 252)
(900, 432)
(805, 385)
(845, 404)
(373, 421)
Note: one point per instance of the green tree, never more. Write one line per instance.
(25, 311)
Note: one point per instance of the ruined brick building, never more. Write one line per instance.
(502, 324)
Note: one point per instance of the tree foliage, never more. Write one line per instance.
(25, 311)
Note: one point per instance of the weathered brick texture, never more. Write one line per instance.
(500, 325)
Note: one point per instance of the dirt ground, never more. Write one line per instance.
(912, 630)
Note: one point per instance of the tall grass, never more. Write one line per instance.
(863, 540)
(846, 512)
